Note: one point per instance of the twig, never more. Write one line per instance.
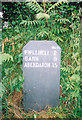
(3, 46)
(14, 113)
(15, 106)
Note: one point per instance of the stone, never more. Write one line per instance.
(41, 71)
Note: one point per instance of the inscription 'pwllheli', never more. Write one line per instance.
(36, 52)
(41, 70)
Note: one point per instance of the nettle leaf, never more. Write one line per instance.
(42, 15)
(4, 57)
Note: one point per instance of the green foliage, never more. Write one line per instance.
(42, 15)
(4, 57)
(28, 21)
(55, 5)
(34, 22)
(35, 6)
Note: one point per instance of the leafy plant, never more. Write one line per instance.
(4, 57)
(57, 21)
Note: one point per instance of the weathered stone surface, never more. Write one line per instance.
(41, 70)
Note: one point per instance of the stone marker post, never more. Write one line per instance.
(41, 70)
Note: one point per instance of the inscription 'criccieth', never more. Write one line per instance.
(41, 70)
